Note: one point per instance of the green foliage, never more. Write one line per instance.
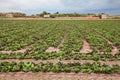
(38, 36)
(86, 67)
(96, 57)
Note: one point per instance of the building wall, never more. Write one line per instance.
(103, 16)
(46, 16)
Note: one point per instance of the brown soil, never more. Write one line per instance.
(58, 18)
(62, 61)
(8, 52)
(86, 47)
(56, 76)
(23, 50)
(20, 51)
(52, 49)
(115, 50)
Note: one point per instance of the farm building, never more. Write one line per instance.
(103, 16)
(46, 16)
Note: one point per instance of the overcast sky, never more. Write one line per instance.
(63, 6)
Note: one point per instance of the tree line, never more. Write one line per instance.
(56, 14)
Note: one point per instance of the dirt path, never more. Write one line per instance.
(57, 49)
(86, 47)
(52, 49)
(62, 61)
(56, 76)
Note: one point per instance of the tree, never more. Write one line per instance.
(56, 13)
(44, 12)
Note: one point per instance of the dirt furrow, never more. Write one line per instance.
(56, 76)
(86, 47)
(62, 61)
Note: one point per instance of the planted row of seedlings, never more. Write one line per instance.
(61, 56)
(110, 30)
(23, 37)
(66, 39)
(97, 44)
(107, 29)
(71, 45)
(53, 39)
(73, 42)
(87, 67)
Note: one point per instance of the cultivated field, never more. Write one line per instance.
(59, 50)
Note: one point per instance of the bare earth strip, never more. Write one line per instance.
(86, 47)
(56, 76)
(62, 61)
(52, 49)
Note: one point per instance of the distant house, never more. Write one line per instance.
(9, 15)
(46, 16)
(103, 16)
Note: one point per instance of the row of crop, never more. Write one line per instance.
(11, 26)
(28, 32)
(14, 27)
(111, 31)
(15, 42)
(97, 44)
(52, 39)
(5, 23)
(73, 41)
(24, 38)
(61, 56)
(86, 67)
